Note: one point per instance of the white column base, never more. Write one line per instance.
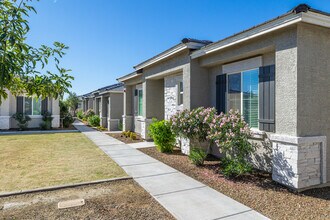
(299, 162)
(113, 124)
(144, 128)
(4, 122)
(127, 123)
(56, 121)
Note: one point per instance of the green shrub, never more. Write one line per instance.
(47, 119)
(67, 120)
(22, 120)
(197, 156)
(235, 167)
(133, 136)
(80, 114)
(94, 120)
(120, 126)
(160, 132)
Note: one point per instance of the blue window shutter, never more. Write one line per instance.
(19, 104)
(267, 98)
(221, 88)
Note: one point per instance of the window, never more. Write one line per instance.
(243, 95)
(32, 106)
(140, 102)
(180, 93)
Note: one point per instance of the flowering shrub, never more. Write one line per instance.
(230, 133)
(89, 113)
(193, 124)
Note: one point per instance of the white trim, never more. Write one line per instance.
(241, 93)
(243, 65)
(32, 116)
(173, 71)
(316, 19)
(127, 77)
(105, 92)
(162, 56)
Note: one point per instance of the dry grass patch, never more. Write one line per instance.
(34, 161)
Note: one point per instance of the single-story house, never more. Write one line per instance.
(107, 102)
(277, 74)
(31, 106)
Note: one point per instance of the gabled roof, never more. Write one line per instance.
(127, 76)
(113, 87)
(301, 13)
(186, 43)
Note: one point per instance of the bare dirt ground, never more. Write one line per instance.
(122, 138)
(256, 190)
(123, 199)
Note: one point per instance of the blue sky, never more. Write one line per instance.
(108, 37)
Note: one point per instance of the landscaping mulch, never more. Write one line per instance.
(123, 199)
(122, 138)
(257, 190)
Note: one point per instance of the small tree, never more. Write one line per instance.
(20, 62)
(72, 102)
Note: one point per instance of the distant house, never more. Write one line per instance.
(34, 107)
(276, 74)
(107, 102)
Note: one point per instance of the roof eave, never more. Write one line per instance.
(283, 21)
(127, 77)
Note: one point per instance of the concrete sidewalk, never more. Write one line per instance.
(182, 196)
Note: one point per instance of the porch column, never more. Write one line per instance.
(5, 113)
(104, 112)
(153, 104)
(128, 108)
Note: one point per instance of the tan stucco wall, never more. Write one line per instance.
(313, 114)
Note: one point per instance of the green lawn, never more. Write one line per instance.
(34, 161)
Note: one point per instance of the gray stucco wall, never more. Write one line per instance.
(179, 59)
(153, 99)
(281, 48)
(313, 114)
(117, 105)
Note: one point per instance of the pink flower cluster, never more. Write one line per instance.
(205, 124)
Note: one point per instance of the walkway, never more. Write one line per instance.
(182, 196)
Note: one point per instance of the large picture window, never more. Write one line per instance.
(32, 106)
(243, 95)
(140, 102)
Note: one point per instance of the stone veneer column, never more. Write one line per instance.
(299, 162)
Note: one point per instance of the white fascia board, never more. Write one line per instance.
(124, 78)
(114, 91)
(255, 32)
(162, 56)
(316, 19)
